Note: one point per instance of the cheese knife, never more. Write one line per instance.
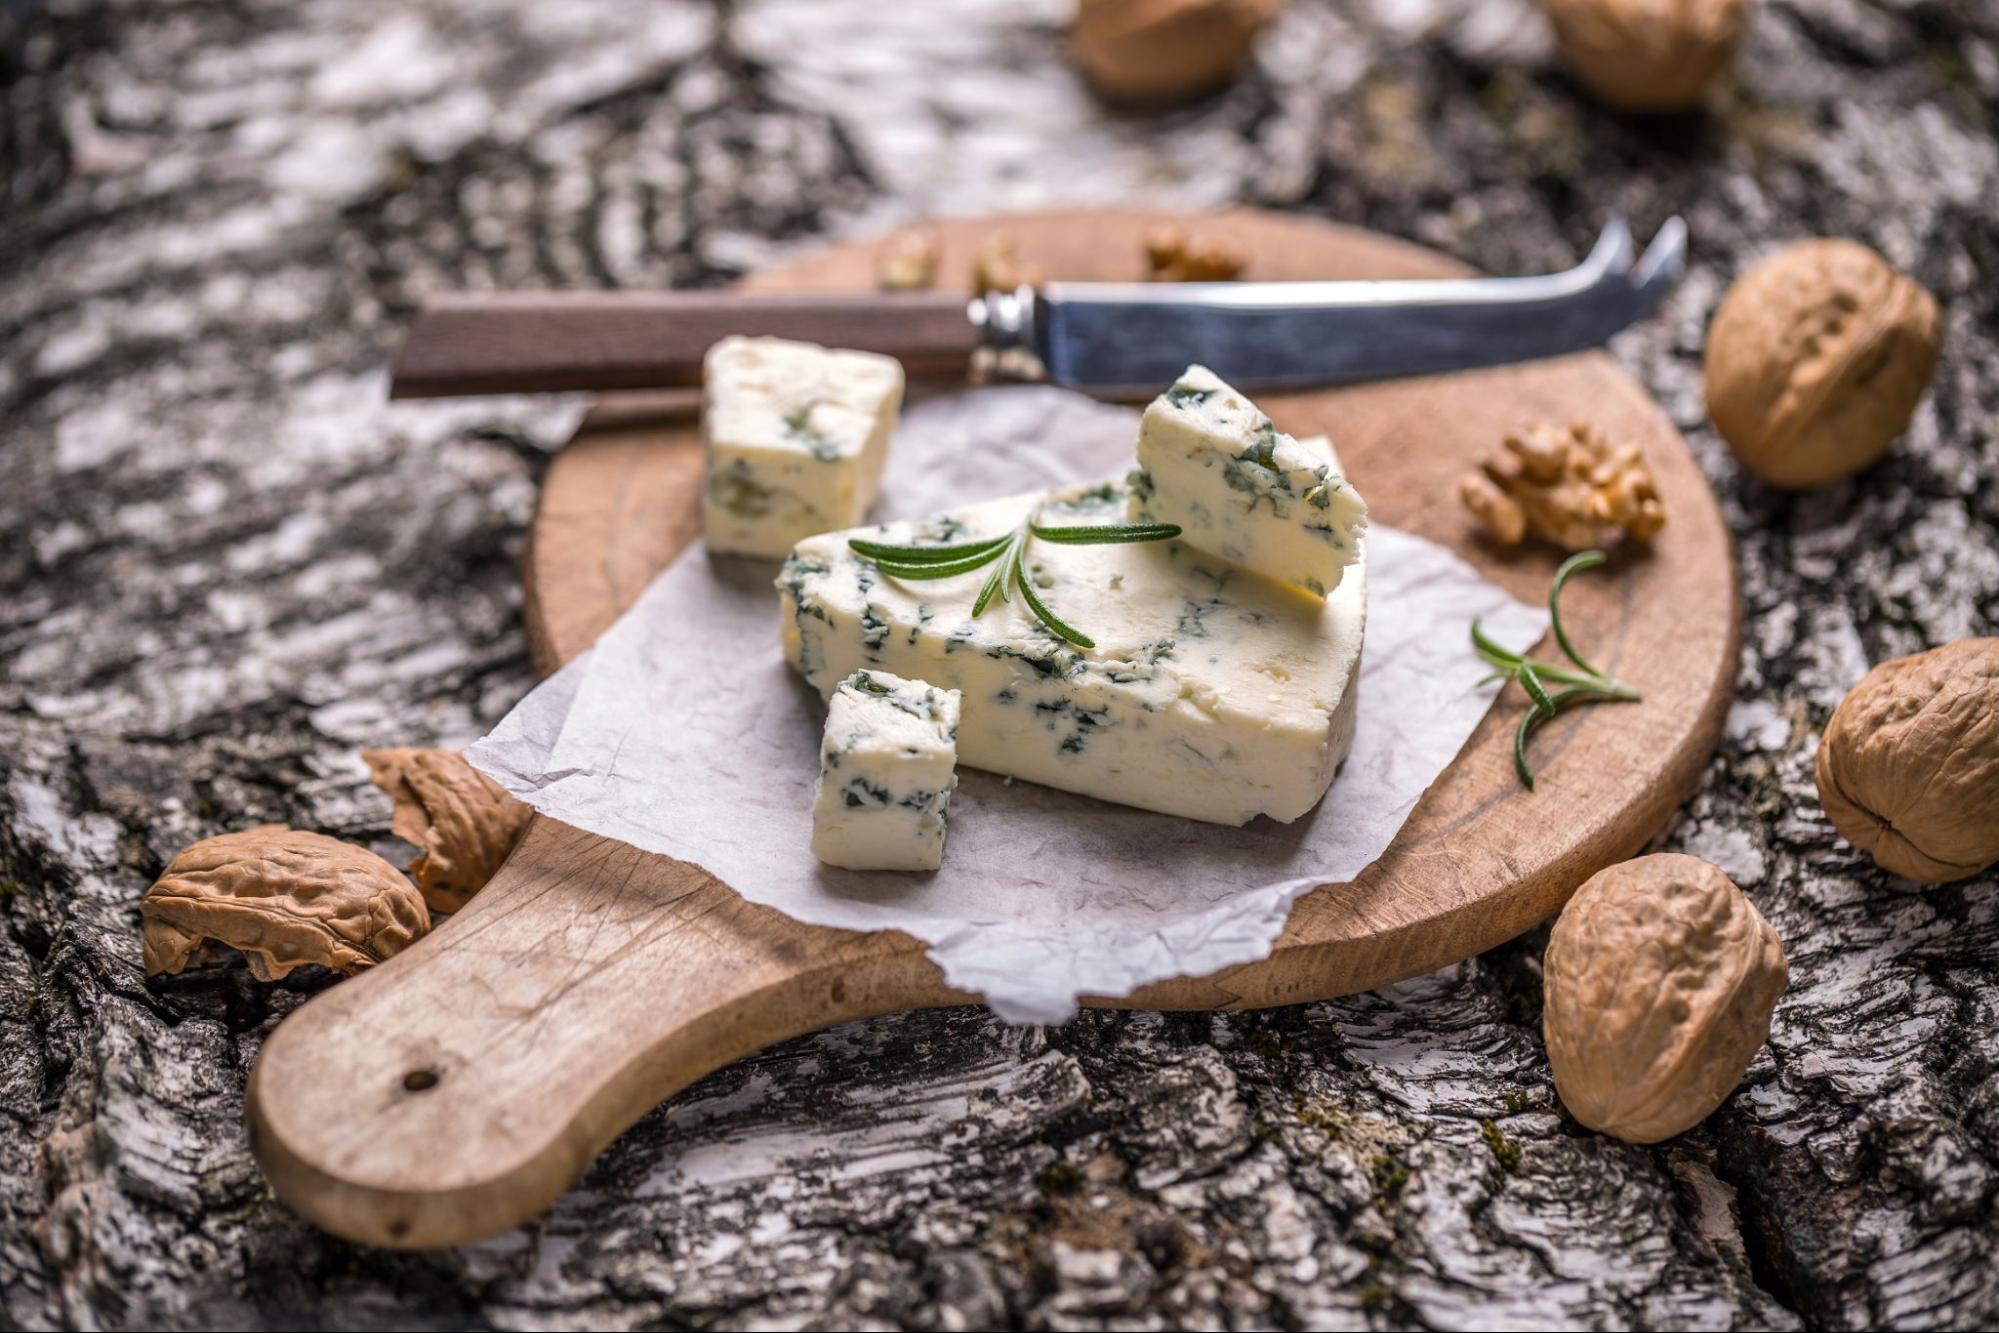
(1114, 339)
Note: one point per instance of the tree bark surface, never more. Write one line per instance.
(227, 566)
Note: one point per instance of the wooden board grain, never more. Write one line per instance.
(459, 1088)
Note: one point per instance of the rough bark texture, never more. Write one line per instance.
(228, 566)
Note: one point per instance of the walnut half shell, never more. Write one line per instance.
(1908, 767)
(460, 818)
(282, 898)
(1659, 981)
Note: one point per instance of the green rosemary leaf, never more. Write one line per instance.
(1540, 713)
(1576, 694)
(1491, 651)
(1531, 682)
(1583, 683)
(939, 569)
(1575, 564)
(1056, 625)
(1010, 564)
(988, 589)
(943, 562)
(1107, 533)
(1528, 721)
(923, 555)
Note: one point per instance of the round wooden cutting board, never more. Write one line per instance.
(457, 1089)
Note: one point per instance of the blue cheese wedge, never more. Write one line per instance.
(887, 768)
(796, 435)
(1212, 462)
(1211, 693)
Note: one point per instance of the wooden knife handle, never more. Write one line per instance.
(553, 342)
(458, 1088)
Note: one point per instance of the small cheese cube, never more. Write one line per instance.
(887, 769)
(796, 437)
(1243, 490)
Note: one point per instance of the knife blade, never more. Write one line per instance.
(1107, 338)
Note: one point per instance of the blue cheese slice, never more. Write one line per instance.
(1212, 462)
(1211, 693)
(797, 435)
(887, 768)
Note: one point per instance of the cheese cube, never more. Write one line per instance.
(1211, 693)
(1243, 490)
(887, 769)
(796, 435)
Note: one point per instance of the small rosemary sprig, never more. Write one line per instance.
(911, 563)
(1583, 684)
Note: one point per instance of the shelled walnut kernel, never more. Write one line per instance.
(1173, 255)
(1565, 485)
(1161, 51)
(282, 898)
(1908, 767)
(1816, 360)
(1648, 55)
(460, 818)
(998, 267)
(1658, 984)
(907, 261)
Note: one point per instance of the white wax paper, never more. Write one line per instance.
(683, 732)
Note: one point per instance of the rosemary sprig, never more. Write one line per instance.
(916, 563)
(1584, 683)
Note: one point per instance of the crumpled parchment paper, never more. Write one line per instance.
(682, 732)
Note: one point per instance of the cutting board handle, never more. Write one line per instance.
(457, 1089)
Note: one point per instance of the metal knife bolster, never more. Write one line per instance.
(1010, 341)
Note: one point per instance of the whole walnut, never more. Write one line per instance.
(1659, 980)
(1160, 51)
(1908, 767)
(1816, 360)
(1647, 55)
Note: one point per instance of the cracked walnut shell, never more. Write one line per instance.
(1908, 767)
(460, 818)
(1565, 485)
(1647, 55)
(1816, 361)
(1659, 981)
(1161, 51)
(282, 898)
